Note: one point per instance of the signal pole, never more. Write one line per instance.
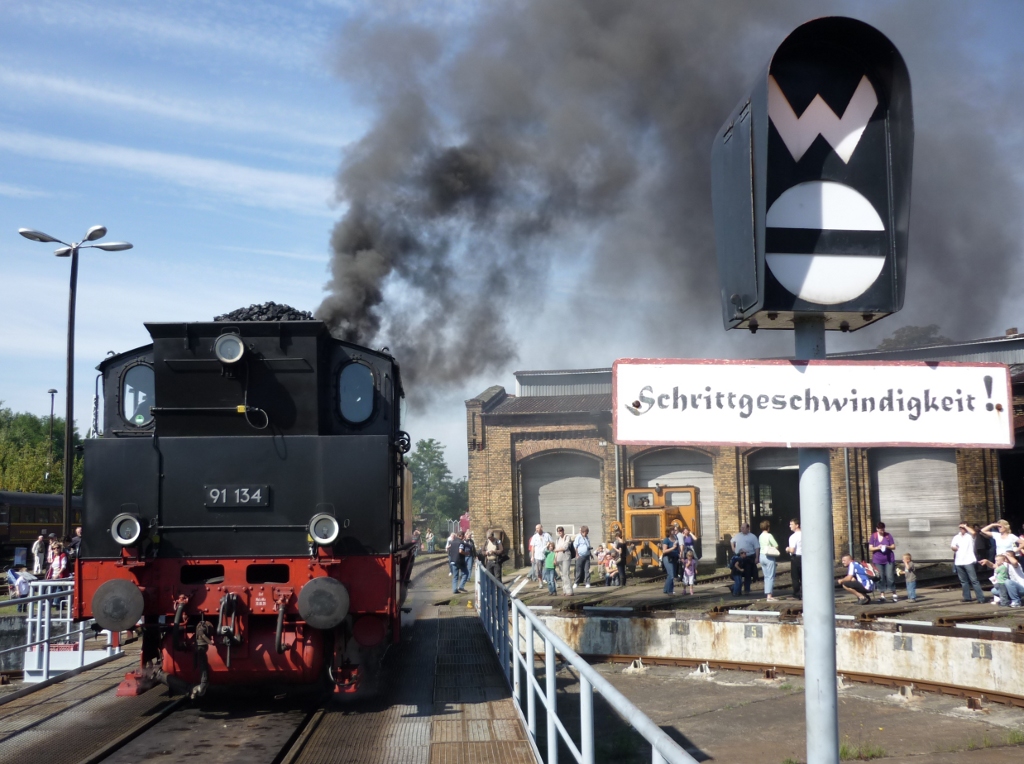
(819, 605)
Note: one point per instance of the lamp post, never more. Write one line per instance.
(93, 234)
(49, 464)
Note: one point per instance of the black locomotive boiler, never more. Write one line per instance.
(249, 502)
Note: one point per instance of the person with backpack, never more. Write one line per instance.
(857, 581)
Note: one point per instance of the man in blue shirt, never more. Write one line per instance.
(670, 559)
(583, 547)
(857, 581)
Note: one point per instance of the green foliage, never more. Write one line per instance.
(1015, 737)
(848, 751)
(913, 337)
(25, 454)
(435, 494)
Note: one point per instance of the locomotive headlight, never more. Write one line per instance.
(126, 529)
(228, 348)
(324, 529)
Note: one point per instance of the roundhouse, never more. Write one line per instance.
(545, 454)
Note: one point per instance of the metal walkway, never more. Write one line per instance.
(66, 722)
(446, 702)
(442, 697)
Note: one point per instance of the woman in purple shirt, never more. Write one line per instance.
(881, 545)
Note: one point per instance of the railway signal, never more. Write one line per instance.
(811, 183)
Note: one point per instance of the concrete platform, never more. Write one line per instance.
(939, 597)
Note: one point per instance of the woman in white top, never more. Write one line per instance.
(769, 554)
(1005, 541)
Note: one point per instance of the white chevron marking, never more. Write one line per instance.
(843, 135)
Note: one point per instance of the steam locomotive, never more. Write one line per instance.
(250, 504)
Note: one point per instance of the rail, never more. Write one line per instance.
(496, 604)
(45, 628)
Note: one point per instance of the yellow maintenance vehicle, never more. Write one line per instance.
(648, 513)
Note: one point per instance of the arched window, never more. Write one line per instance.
(355, 392)
(137, 395)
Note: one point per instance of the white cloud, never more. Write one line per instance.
(264, 31)
(270, 189)
(18, 192)
(279, 253)
(224, 116)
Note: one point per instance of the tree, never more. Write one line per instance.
(914, 337)
(25, 463)
(435, 495)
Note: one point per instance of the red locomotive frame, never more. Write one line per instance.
(257, 650)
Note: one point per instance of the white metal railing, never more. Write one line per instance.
(501, 614)
(46, 627)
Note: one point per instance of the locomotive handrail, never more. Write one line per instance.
(494, 602)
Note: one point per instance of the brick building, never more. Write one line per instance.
(545, 454)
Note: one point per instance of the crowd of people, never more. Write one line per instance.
(52, 560)
(991, 552)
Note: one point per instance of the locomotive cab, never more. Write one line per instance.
(247, 502)
(648, 514)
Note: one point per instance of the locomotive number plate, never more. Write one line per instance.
(236, 495)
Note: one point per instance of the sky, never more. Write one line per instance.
(212, 135)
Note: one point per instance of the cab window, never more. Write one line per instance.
(679, 499)
(641, 500)
(355, 392)
(137, 395)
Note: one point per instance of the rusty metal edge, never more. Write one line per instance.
(127, 737)
(59, 678)
(1002, 698)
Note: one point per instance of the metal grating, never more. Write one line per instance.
(84, 707)
(447, 702)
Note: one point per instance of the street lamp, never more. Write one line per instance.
(49, 464)
(93, 234)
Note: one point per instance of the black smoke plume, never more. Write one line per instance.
(539, 138)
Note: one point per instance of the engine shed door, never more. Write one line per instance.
(562, 489)
(678, 466)
(915, 492)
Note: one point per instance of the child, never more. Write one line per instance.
(910, 572)
(738, 568)
(1001, 577)
(549, 567)
(689, 570)
(611, 568)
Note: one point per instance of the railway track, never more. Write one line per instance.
(226, 728)
(773, 671)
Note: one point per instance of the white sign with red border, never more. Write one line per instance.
(811, 403)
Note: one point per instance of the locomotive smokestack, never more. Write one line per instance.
(566, 146)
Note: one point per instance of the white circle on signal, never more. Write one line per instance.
(824, 279)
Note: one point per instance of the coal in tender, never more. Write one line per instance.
(268, 311)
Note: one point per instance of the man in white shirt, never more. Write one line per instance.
(796, 551)
(538, 545)
(964, 560)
